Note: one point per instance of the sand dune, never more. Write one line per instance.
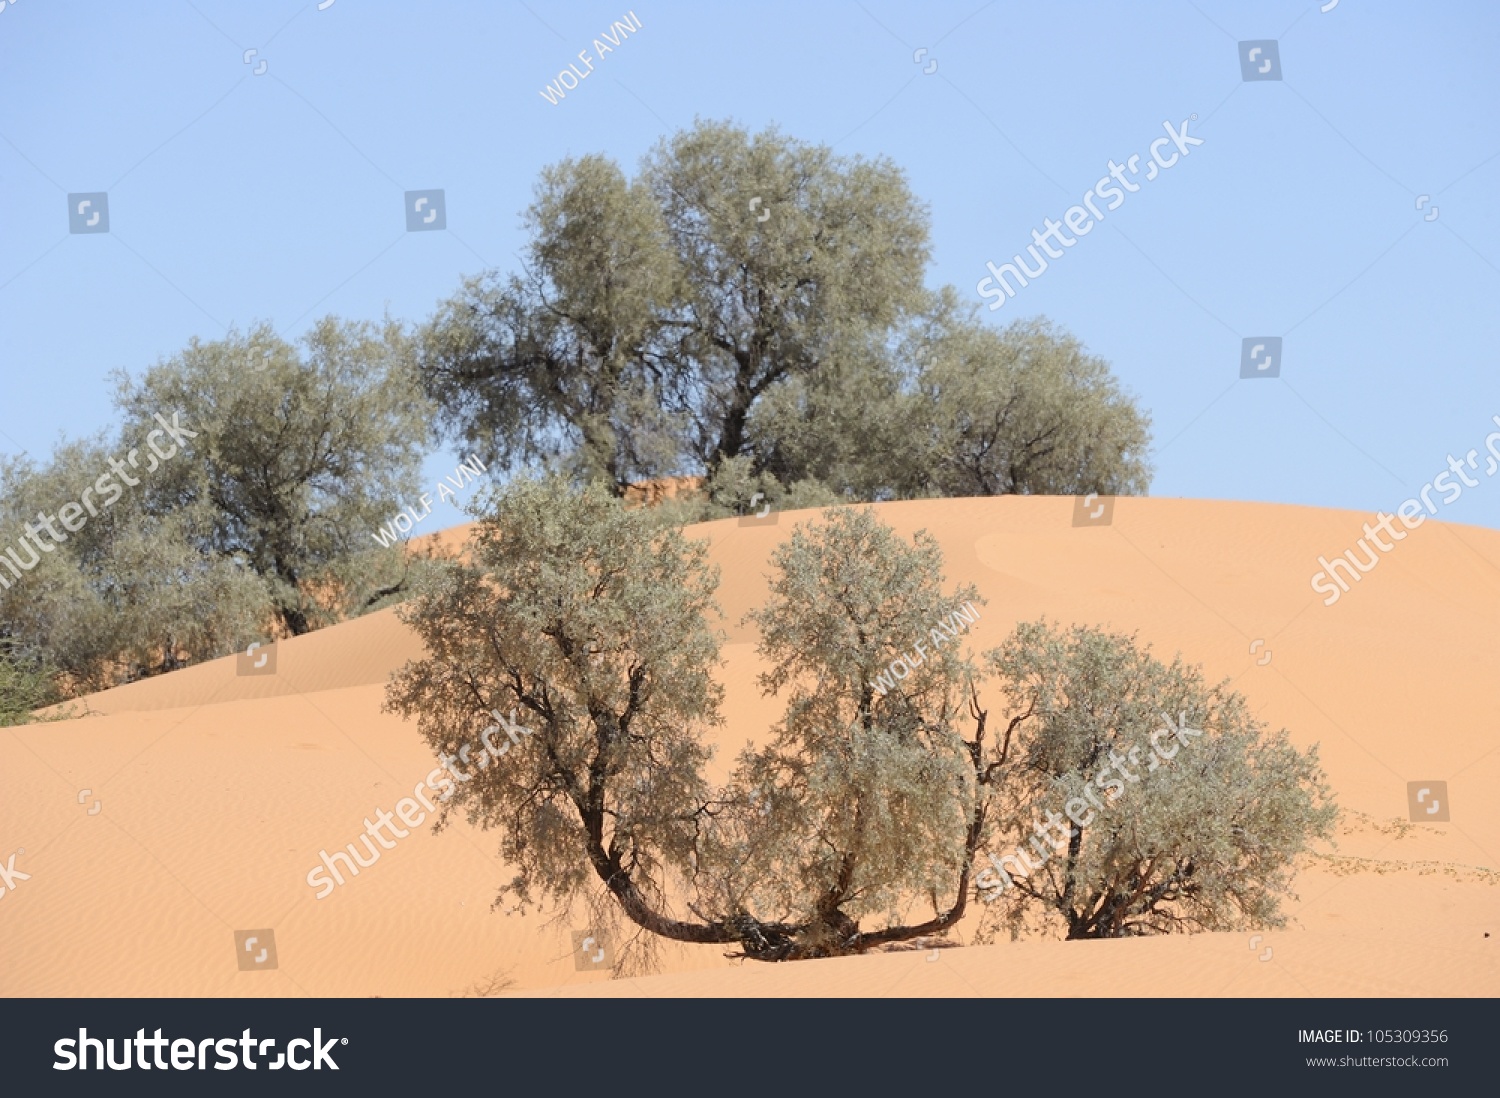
(217, 790)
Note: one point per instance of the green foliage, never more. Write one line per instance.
(860, 820)
(1205, 840)
(852, 427)
(130, 593)
(754, 297)
(591, 622)
(869, 795)
(1023, 410)
(25, 685)
(737, 489)
(258, 520)
(840, 255)
(298, 458)
(562, 363)
(656, 314)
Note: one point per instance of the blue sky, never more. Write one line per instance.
(237, 197)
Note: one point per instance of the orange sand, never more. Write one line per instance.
(217, 791)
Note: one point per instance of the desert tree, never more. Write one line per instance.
(125, 593)
(756, 298)
(946, 405)
(561, 363)
(790, 256)
(868, 798)
(593, 626)
(1019, 410)
(655, 314)
(1134, 798)
(299, 456)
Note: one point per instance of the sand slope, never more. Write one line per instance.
(216, 790)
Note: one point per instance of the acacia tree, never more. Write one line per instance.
(593, 624)
(1139, 799)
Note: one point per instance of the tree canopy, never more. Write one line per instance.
(595, 622)
(298, 457)
(756, 298)
(124, 592)
(872, 811)
(1141, 799)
